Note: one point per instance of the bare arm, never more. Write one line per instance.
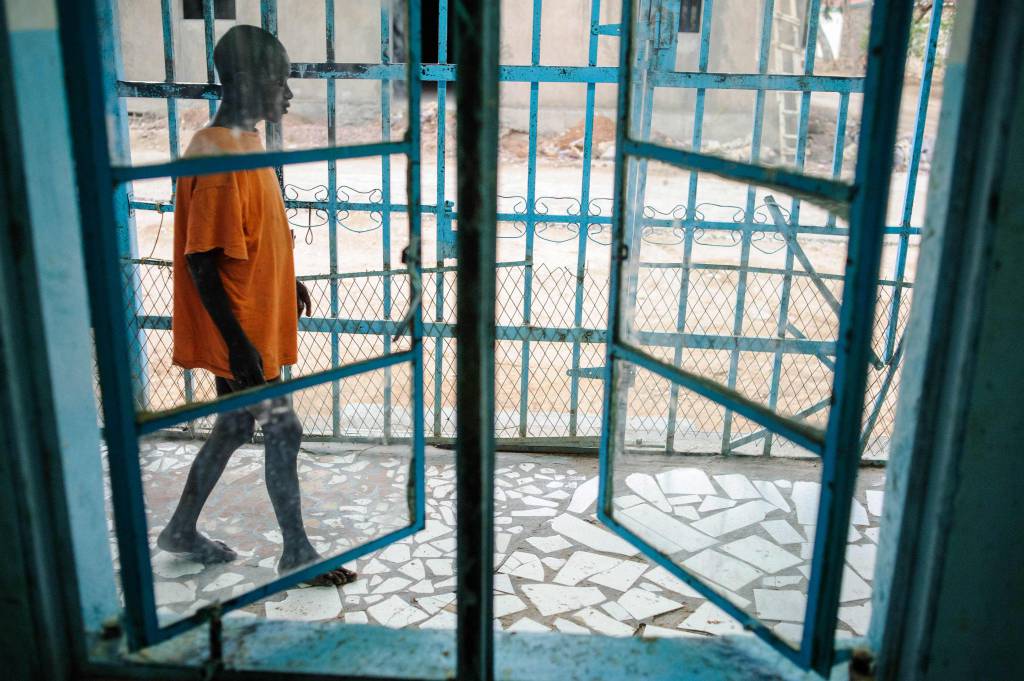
(244, 358)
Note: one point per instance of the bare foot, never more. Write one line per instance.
(197, 547)
(295, 559)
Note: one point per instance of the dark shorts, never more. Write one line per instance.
(263, 411)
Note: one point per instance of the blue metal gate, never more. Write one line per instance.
(769, 329)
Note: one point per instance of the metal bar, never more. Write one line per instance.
(802, 434)
(205, 165)
(829, 194)
(691, 215)
(151, 422)
(840, 145)
(385, 209)
(803, 413)
(912, 171)
(829, 364)
(755, 156)
(883, 391)
(792, 245)
(332, 211)
(890, 24)
(208, 40)
(442, 224)
(90, 86)
(477, 54)
(268, 21)
(510, 73)
(581, 242)
(531, 198)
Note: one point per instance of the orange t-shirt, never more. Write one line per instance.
(243, 214)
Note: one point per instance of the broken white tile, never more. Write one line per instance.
(567, 627)
(733, 519)
(641, 604)
(789, 632)
(854, 588)
(355, 588)
(432, 604)
(447, 545)
(872, 534)
(761, 553)
(548, 544)
(722, 569)
(508, 605)
(645, 486)
(666, 579)
(306, 605)
(392, 585)
(785, 605)
(394, 612)
(356, 618)
(590, 535)
(602, 623)
(527, 624)
(783, 484)
(583, 564)
(621, 577)
(414, 569)
(861, 558)
(737, 486)
(422, 587)
(857, 617)
(375, 567)
(523, 564)
(530, 489)
(553, 563)
(875, 499)
(806, 550)
(501, 540)
(713, 503)
(616, 611)
(173, 592)
(552, 599)
(711, 619)
(688, 512)
(627, 500)
(685, 481)
(560, 495)
(223, 581)
(684, 499)
(535, 513)
(778, 581)
(772, 495)
(663, 531)
(584, 496)
(654, 631)
(782, 532)
(442, 567)
(858, 516)
(503, 584)
(537, 501)
(805, 497)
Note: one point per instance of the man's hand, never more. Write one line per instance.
(246, 364)
(303, 299)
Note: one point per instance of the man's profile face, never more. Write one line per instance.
(273, 91)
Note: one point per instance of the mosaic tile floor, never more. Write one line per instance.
(747, 525)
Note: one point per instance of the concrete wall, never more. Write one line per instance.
(565, 34)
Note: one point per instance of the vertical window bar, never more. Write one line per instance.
(268, 21)
(839, 146)
(531, 213)
(581, 240)
(810, 54)
(912, 170)
(691, 221)
(385, 209)
(890, 24)
(442, 216)
(332, 212)
(209, 37)
(477, 54)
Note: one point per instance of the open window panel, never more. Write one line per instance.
(364, 387)
(730, 549)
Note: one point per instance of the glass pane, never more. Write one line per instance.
(780, 125)
(359, 309)
(275, 513)
(743, 525)
(720, 282)
(280, 92)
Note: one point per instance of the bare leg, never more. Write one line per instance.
(230, 431)
(283, 434)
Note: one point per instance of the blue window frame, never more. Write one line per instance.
(104, 236)
(863, 201)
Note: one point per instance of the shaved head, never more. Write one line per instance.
(254, 68)
(247, 49)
